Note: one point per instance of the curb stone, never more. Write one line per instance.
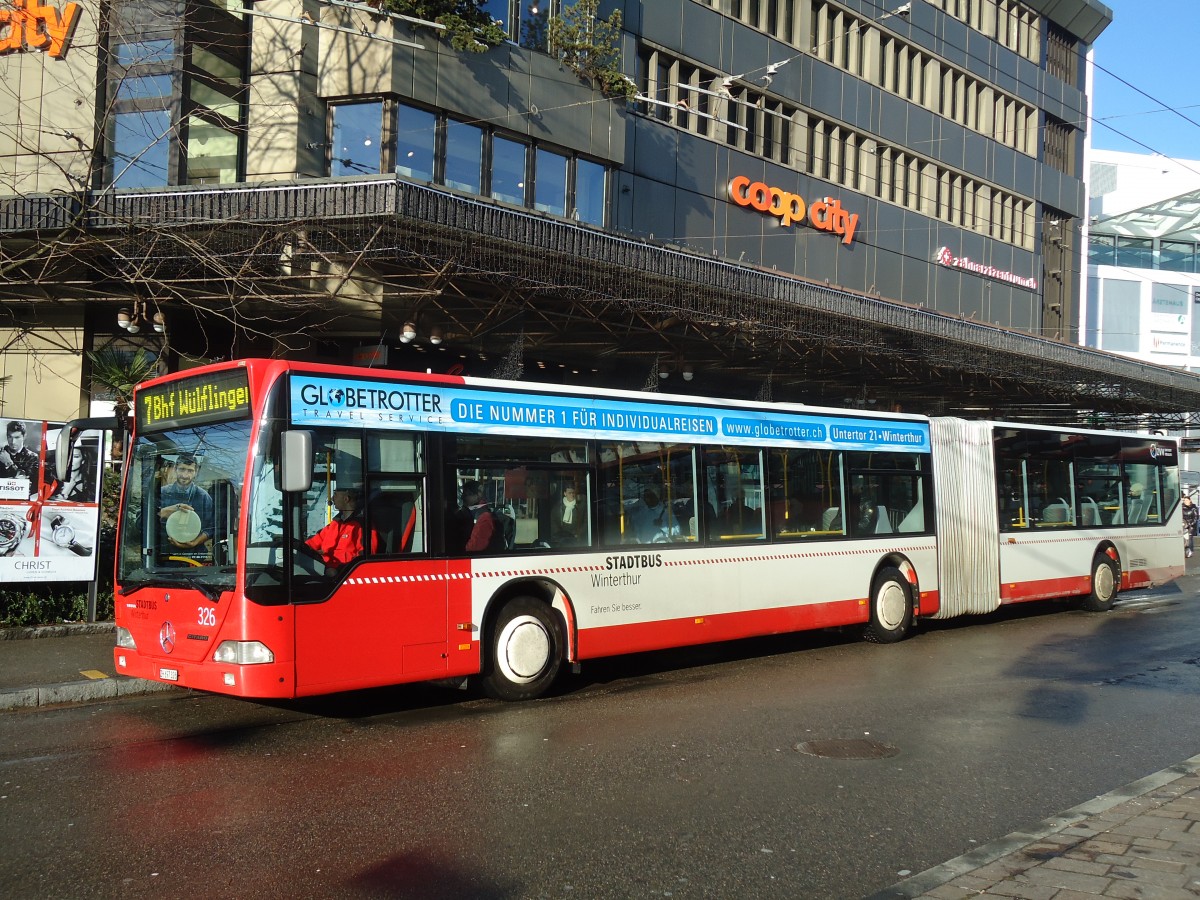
(69, 692)
(65, 629)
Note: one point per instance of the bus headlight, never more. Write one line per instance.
(125, 639)
(243, 653)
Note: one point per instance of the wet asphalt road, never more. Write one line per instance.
(672, 774)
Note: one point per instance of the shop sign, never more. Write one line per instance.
(823, 215)
(27, 25)
(1166, 343)
(946, 258)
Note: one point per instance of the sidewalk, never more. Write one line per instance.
(1141, 840)
(63, 664)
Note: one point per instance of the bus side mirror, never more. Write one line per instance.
(296, 462)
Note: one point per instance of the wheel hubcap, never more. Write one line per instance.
(891, 605)
(1104, 582)
(523, 649)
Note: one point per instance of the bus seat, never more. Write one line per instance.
(410, 528)
(393, 518)
(1057, 512)
(883, 524)
(915, 519)
(1091, 512)
(1137, 510)
(831, 519)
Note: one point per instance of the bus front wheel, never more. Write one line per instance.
(525, 652)
(1106, 580)
(891, 607)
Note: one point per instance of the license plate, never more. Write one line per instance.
(168, 674)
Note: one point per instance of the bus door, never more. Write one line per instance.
(371, 607)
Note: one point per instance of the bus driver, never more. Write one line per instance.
(341, 541)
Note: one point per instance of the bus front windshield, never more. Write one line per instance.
(180, 517)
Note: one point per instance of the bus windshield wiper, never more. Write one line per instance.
(209, 592)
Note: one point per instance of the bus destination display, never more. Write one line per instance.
(194, 401)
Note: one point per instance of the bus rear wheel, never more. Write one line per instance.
(525, 653)
(891, 608)
(1106, 581)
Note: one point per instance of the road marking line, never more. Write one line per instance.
(94, 674)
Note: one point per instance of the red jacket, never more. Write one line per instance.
(341, 541)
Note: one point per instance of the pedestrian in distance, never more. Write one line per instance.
(1190, 514)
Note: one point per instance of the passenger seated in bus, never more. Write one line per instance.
(341, 541)
(686, 527)
(569, 525)
(738, 518)
(866, 517)
(488, 529)
(649, 520)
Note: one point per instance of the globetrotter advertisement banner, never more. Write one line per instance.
(48, 527)
(378, 404)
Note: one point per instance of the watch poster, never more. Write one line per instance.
(48, 528)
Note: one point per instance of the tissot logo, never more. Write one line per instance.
(26, 25)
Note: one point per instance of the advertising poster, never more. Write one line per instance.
(48, 528)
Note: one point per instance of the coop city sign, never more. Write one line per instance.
(823, 215)
(26, 25)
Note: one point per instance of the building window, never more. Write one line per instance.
(550, 183)
(1177, 256)
(1102, 250)
(525, 23)
(175, 73)
(1059, 142)
(464, 156)
(508, 171)
(416, 133)
(1136, 253)
(215, 98)
(357, 138)
(141, 149)
(1062, 55)
(212, 152)
(1120, 323)
(590, 192)
(430, 146)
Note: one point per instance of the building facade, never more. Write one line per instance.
(882, 179)
(1143, 297)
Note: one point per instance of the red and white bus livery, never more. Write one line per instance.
(501, 530)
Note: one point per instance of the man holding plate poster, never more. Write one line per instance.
(185, 513)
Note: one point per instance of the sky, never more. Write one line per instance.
(1151, 45)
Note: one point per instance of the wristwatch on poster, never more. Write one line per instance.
(63, 534)
(12, 532)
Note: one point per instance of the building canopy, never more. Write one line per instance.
(317, 265)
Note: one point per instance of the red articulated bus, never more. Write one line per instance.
(290, 529)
